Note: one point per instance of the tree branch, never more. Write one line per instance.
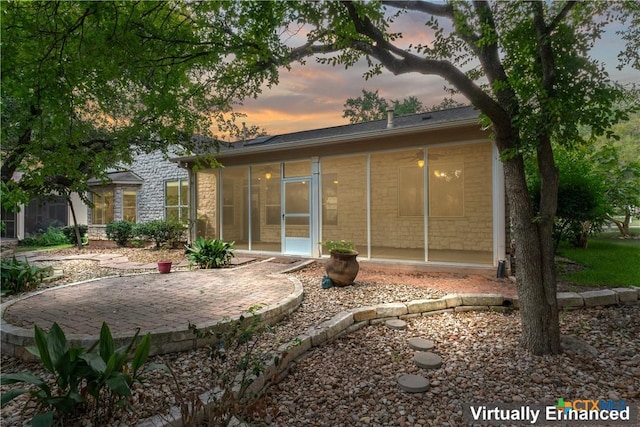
(560, 16)
(445, 10)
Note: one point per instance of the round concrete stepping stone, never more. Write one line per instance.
(427, 360)
(421, 344)
(396, 324)
(413, 383)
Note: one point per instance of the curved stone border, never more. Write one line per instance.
(15, 339)
(345, 322)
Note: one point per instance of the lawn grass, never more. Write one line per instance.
(607, 261)
(42, 248)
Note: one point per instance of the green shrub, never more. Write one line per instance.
(70, 232)
(161, 231)
(209, 253)
(120, 232)
(19, 276)
(100, 376)
(52, 237)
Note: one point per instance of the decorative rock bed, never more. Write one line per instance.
(346, 322)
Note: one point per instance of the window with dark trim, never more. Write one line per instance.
(176, 200)
(102, 211)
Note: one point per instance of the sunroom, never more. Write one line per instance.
(423, 188)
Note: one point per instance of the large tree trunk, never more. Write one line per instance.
(535, 274)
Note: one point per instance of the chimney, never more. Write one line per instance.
(390, 118)
(244, 131)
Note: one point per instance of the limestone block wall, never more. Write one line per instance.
(474, 229)
(392, 223)
(206, 201)
(350, 198)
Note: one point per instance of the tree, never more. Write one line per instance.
(87, 85)
(525, 66)
(621, 179)
(582, 205)
(371, 106)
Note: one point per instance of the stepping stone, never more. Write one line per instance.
(396, 324)
(413, 383)
(427, 360)
(420, 344)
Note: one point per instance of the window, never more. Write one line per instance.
(9, 221)
(102, 212)
(129, 203)
(176, 200)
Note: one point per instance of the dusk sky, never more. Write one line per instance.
(312, 96)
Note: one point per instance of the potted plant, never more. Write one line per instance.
(164, 267)
(342, 266)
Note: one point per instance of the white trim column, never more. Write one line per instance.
(499, 224)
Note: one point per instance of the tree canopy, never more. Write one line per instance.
(371, 106)
(87, 85)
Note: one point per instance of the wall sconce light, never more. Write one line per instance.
(268, 173)
(420, 163)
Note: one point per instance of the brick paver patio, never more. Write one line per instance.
(152, 302)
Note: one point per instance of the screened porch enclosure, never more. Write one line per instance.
(432, 204)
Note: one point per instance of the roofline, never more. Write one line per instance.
(332, 139)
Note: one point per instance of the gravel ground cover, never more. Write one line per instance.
(352, 381)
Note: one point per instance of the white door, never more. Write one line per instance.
(296, 216)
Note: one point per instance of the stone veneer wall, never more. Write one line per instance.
(206, 201)
(351, 174)
(390, 226)
(155, 170)
(474, 230)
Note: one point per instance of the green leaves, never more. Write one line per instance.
(209, 253)
(106, 372)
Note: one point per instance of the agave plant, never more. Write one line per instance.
(210, 253)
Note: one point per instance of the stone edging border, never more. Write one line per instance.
(346, 322)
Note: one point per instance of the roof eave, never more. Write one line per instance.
(333, 139)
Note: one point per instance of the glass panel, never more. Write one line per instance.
(206, 221)
(235, 215)
(265, 208)
(129, 199)
(296, 198)
(297, 169)
(397, 200)
(172, 192)
(103, 207)
(184, 193)
(461, 203)
(344, 200)
(9, 220)
(296, 226)
(172, 214)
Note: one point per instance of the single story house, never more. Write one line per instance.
(425, 188)
(152, 187)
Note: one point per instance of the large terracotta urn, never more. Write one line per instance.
(342, 268)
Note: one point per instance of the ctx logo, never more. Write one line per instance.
(578, 405)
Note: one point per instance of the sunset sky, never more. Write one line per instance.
(312, 96)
